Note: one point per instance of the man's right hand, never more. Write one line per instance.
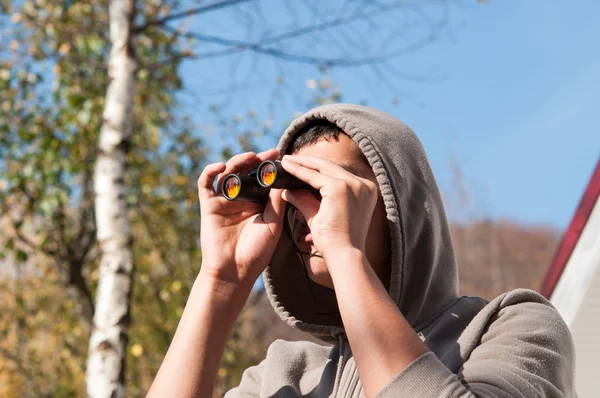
(237, 238)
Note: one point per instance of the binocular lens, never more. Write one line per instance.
(244, 188)
(232, 186)
(267, 175)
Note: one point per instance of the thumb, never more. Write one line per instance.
(304, 201)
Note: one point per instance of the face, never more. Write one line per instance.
(346, 153)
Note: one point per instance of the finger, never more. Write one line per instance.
(304, 201)
(310, 176)
(238, 164)
(323, 166)
(241, 163)
(270, 154)
(274, 211)
(207, 178)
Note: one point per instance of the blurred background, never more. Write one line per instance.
(503, 94)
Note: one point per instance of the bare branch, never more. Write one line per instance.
(87, 231)
(190, 12)
(333, 23)
(27, 241)
(312, 8)
(236, 46)
(295, 33)
(76, 280)
(298, 58)
(388, 85)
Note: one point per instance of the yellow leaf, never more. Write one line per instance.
(64, 48)
(181, 180)
(175, 286)
(137, 350)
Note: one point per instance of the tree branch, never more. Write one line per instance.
(190, 12)
(298, 58)
(330, 24)
(76, 279)
(236, 46)
(16, 225)
(86, 233)
(240, 45)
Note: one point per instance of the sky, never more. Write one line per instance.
(517, 107)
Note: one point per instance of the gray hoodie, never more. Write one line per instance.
(517, 345)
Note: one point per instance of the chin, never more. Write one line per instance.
(317, 270)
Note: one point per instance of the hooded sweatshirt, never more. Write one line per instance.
(516, 345)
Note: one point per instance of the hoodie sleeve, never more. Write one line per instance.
(526, 350)
(250, 384)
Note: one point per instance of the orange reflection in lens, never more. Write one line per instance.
(267, 174)
(232, 187)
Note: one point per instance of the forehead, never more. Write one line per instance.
(342, 151)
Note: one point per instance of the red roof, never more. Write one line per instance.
(565, 249)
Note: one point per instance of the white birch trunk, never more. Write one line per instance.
(106, 358)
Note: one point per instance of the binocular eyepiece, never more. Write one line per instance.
(255, 186)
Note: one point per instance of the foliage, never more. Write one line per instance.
(53, 80)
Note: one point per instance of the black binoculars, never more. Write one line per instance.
(255, 186)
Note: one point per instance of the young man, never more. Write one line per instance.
(371, 270)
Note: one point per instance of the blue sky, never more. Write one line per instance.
(517, 110)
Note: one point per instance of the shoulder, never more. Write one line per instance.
(518, 296)
(520, 333)
(525, 305)
(528, 316)
(520, 313)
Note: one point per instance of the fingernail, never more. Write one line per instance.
(289, 158)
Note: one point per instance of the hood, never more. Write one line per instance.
(423, 269)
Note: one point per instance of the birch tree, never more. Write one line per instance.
(53, 88)
(106, 361)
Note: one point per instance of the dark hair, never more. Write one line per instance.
(322, 129)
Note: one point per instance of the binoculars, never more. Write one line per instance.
(255, 186)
